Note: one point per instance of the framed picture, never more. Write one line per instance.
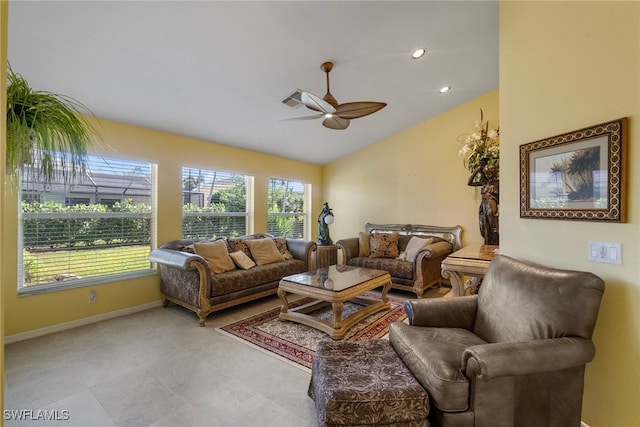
(578, 175)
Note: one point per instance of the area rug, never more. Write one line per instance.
(297, 343)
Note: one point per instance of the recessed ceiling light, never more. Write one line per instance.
(445, 89)
(419, 53)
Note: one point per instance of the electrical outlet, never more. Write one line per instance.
(92, 296)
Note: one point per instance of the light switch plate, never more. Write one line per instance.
(610, 253)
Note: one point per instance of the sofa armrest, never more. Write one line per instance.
(185, 278)
(526, 358)
(350, 248)
(427, 268)
(434, 250)
(173, 258)
(443, 312)
(302, 250)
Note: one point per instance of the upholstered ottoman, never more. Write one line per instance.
(365, 383)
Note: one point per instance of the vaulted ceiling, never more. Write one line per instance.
(218, 71)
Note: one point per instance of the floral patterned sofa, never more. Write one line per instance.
(413, 263)
(209, 275)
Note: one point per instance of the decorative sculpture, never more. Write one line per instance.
(324, 219)
(487, 178)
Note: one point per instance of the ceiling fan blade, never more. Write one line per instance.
(336, 123)
(354, 110)
(315, 116)
(316, 103)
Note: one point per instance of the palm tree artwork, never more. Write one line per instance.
(573, 176)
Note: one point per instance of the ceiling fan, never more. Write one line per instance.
(336, 116)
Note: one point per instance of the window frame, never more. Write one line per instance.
(24, 289)
(249, 214)
(306, 207)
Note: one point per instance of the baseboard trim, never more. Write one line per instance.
(9, 339)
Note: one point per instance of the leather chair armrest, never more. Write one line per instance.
(302, 250)
(173, 258)
(457, 312)
(527, 357)
(350, 248)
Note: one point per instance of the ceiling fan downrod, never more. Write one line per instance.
(327, 67)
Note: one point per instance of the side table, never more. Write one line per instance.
(469, 261)
(326, 255)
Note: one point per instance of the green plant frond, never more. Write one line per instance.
(47, 130)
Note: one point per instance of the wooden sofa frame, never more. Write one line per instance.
(427, 267)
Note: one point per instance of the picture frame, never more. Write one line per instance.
(578, 175)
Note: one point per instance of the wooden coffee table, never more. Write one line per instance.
(334, 286)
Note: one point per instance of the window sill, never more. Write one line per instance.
(81, 283)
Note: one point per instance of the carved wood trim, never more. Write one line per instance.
(451, 234)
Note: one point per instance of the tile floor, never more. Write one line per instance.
(157, 368)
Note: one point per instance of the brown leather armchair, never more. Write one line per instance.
(513, 355)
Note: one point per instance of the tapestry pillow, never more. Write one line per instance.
(363, 244)
(264, 251)
(383, 245)
(413, 247)
(281, 244)
(187, 248)
(239, 245)
(242, 260)
(216, 255)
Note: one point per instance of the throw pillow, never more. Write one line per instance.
(239, 245)
(242, 260)
(216, 255)
(281, 244)
(363, 244)
(264, 251)
(188, 248)
(413, 247)
(383, 245)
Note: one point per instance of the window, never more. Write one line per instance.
(67, 239)
(216, 204)
(73, 201)
(109, 202)
(288, 206)
(30, 197)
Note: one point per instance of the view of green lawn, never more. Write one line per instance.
(43, 267)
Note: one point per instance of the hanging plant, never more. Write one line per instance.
(47, 131)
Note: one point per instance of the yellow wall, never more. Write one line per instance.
(413, 177)
(3, 115)
(170, 152)
(565, 66)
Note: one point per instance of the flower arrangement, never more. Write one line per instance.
(481, 145)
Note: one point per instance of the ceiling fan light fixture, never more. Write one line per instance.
(445, 89)
(418, 53)
(328, 116)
